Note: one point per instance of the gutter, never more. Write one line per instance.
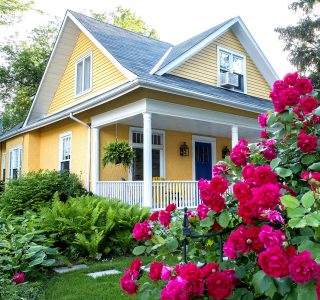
(71, 116)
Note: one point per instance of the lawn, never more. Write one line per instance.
(77, 285)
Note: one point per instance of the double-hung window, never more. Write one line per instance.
(231, 70)
(84, 75)
(136, 135)
(15, 162)
(3, 167)
(65, 151)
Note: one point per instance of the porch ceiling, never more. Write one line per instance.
(196, 127)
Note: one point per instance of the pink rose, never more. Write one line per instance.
(177, 288)
(142, 231)
(262, 119)
(303, 86)
(219, 285)
(128, 285)
(156, 271)
(307, 143)
(248, 171)
(219, 169)
(264, 174)
(154, 216)
(308, 104)
(18, 278)
(275, 217)
(136, 265)
(216, 203)
(166, 273)
(270, 237)
(209, 269)
(274, 262)
(171, 207)
(290, 78)
(242, 191)
(202, 211)
(219, 184)
(269, 154)
(229, 251)
(302, 267)
(289, 96)
(165, 218)
(264, 134)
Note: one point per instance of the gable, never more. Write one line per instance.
(202, 66)
(104, 76)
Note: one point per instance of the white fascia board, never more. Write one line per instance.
(118, 114)
(46, 69)
(128, 74)
(255, 52)
(195, 49)
(158, 64)
(199, 114)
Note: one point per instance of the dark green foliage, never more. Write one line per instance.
(118, 152)
(302, 40)
(24, 291)
(23, 248)
(36, 189)
(91, 226)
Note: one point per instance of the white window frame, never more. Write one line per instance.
(3, 165)
(162, 148)
(244, 70)
(82, 59)
(20, 160)
(61, 137)
(203, 139)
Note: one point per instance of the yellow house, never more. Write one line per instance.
(180, 107)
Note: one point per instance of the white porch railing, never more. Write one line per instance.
(181, 193)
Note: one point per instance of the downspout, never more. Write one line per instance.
(89, 148)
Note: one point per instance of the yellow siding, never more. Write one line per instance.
(104, 75)
(202, 66)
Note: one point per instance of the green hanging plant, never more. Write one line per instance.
(118, 153)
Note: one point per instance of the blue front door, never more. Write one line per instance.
(203, 160)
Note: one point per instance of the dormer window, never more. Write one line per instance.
(84, 75)
(231, 70)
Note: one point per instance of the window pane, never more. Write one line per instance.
(155, 163)
(87, 73)
(79, 87)
(237, 64)
(224, 60)
(66, 148)
(65, 166)
(137, 170)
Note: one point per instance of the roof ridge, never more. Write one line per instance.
(117, 27)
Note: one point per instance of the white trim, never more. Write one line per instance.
(158, 64)
(61, 137)
(128, 74)
(82, 59)
(203, 139)
(195, 49)
(95, 159)
(20, 161)
(244, 68)
(162, 148)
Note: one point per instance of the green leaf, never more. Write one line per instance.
(315, 167)
(317, 111)
(271, 119)
(314, 248)
(312, 221)
(283, 285)
(48, 262)
(307, 291)
(224, 219)
(173, 245)
(207, 222)
(139, 250)
(290, 201)
(308, 199)
(275, 162)
(262, 283)
(308, 159)
(296, 212)
(297, 223)
(283, 172)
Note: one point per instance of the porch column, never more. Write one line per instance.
(95, 159)
(234, 135)
(147, 160)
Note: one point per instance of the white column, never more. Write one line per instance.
(95, 159)
(234, 135)
(147, 160)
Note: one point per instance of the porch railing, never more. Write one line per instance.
(181, 193)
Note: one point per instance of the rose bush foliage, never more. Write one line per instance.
(265, 197)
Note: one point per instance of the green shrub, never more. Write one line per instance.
(35, 189)
(23, 248)
(91, 226)
(23, 291)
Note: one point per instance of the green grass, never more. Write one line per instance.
(77, 285)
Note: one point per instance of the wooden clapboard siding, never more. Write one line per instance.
(104, 75)
(202, 66)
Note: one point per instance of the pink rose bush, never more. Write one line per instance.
(263, 200)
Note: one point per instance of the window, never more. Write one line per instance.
(15, 162)
(83, 75)
(231, 70)
(157, 153)
(3, 167)
(65, 151)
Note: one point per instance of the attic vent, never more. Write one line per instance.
(229, 79)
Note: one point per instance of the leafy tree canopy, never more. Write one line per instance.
(125, 18)
(10, 10)
(302, 40)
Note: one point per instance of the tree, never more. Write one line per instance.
(22, 70)
(11, 9)
(125, 18)
(303, 39)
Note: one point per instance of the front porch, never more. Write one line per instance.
(156, 129)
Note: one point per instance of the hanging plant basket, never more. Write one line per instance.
(118, 153)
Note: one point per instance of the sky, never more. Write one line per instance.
(178, 20)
